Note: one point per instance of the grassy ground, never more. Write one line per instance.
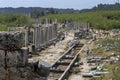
(113, 69)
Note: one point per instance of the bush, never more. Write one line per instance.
(14, 20)
(3, 27)
(100, 19)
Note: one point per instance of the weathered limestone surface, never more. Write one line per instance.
(42, 36)
(2, 58)
(10, 40)
(13, 57)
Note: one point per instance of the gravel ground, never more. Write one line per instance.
(52, 53)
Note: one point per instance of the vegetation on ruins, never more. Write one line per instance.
(114, 69)
(100, 19)
(114, 44)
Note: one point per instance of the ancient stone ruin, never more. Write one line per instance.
(13, 57)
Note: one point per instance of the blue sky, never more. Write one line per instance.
(76, 4)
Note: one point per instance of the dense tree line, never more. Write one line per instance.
(103, 7)
(23, 10)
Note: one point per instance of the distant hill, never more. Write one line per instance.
(28, 10)
(103, 7)
(23, 10)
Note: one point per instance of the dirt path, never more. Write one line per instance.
(52, 53)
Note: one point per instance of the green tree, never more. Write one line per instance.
(35, 14)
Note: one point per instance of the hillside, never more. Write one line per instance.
(28, 10)
(103, 7)
(23, 10)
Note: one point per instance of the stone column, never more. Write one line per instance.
(34, 36)
(24, 55)
(47, 34)
(40, 36)
(26, 38)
